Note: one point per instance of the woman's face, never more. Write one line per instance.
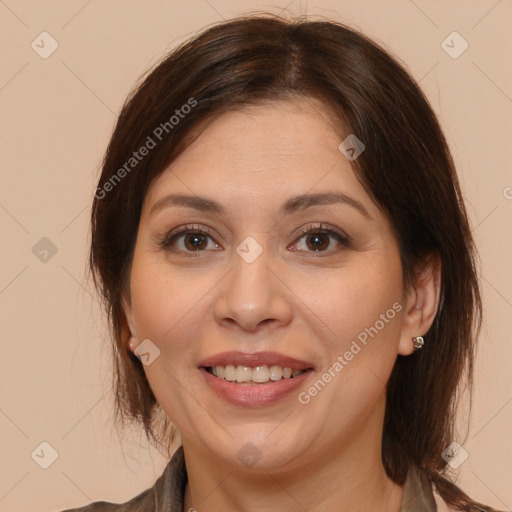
(286, 257)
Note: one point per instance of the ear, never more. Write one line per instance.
(129, 327)
(421, 303)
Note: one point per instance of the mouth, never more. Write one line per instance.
(247, 375)
(254, 380)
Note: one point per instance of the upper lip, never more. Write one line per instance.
(255, 359)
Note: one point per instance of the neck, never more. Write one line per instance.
(346, 476)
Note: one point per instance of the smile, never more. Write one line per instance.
(257, 375)
(248, 393)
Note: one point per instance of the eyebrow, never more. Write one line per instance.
(291, 205)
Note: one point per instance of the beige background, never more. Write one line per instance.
(57, 115)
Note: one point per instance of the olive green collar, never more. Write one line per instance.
(417, 497)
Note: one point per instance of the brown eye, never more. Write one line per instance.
(189, 241)
(195, 241)
(317, 241)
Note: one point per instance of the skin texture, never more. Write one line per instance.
(292, 299)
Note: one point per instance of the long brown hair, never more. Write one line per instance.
(406, 168)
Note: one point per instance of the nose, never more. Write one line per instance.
(252, 297)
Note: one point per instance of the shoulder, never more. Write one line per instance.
(442, 506)
(142, 502)
(424, 490)
(166, 495)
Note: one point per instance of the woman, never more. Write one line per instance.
(281, 243)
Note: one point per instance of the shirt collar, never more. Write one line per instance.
(170, 495)
(418, 496)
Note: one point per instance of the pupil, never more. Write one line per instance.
(317, 243)
(195, 241)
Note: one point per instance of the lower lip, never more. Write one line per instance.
(254, 395)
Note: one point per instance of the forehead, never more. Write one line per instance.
(267, 151)
(271, 132)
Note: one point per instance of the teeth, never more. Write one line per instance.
(243, 374)
(260, 374)
(276, 372)
(256, 375)
(229, 372)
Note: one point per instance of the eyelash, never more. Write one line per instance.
(310, 229)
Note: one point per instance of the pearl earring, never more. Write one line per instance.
(418, 342)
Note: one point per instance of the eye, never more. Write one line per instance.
(319, 238)
(190, 239)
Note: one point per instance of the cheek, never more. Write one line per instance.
(165, 304)
(169, 309)
(358, 322)
(354, 301)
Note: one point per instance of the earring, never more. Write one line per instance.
(131, 344)
(418, 342)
